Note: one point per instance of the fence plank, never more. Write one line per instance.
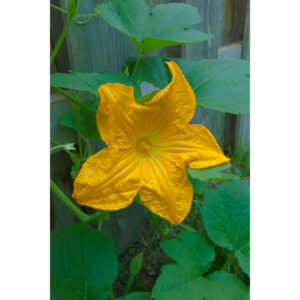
(96, 46)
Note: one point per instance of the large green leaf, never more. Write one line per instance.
(212, 174)
(83, 263)
(219, 84)
(228, 278)
(190, 249)
(83, 120)
(225, 213)
(176, 283)
(137, 296)
(151, 69)
(150, 29)
(87, 82)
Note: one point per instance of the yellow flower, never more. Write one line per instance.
(149, 147)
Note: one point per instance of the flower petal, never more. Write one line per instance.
(166, 190)
(114, 115)
(108, 180)
(195, 145)
(176, 102)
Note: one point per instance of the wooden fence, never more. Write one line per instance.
(96, 46)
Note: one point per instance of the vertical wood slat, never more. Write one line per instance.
(96, 46)
(211, 12)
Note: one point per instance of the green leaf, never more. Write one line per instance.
(199, 187)
(243, 257)
(150, 29)
(225, 213)
(137, 296)
(136, 264)
(219, 84)
(228, 278)
(174, 283)
(87, 82)
(190, 249)
(212, 174)
(151, 69)
(83, 263)
(83, 120)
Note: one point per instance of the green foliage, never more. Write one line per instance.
(82, 120)
(212, 174)
(136, 264)
(219, 84)
(191, 250)
(150, 29)
(151, 69)
(225, 212)
(181, 285)
(193, 254)
(87, 82)
(83, 263)
(199, 186)
(137, 296)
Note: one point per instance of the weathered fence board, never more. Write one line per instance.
(96, 46)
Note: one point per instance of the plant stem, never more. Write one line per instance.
(129, 284)
(89, 219)
(72, 99)
(88, 145)
(60, 40)
(59, 8)
(67, 202)
(157, 226)
(112, 294)
(138, 60)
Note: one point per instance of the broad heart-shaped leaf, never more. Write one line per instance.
(212, 174)
(219, 84)
(229, 278)
(151, 69)
(151, 29)
(191, 250)
(87, 82)
(82, 119)
(137, 296)
(83, 263)
(225, 213)
(176, 283)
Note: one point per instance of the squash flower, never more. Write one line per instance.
(149, 148)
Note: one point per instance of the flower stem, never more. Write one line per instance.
(157, 226)
(60, 40)
(138, 60)
(67, 202)
(112, 294)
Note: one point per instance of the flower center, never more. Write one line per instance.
(143, 145)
